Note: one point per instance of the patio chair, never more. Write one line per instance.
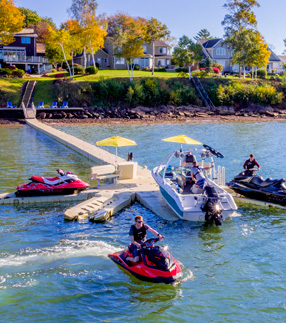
(40, 105)
(65, 105)
(10, 105)
(54, 105)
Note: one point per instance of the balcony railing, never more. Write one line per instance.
(25, 59)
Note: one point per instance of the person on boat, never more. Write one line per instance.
(188, 160)
(138, 233)
(198, 177)
(249, 165)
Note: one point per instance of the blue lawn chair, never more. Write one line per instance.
(10, 105)
(54, 105)
(65, 105)
(40, 105)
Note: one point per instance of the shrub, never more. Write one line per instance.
(160, 69)
(145, 69)
(91, 70)
(245, 94)
(216, 70)
(78, 69)
(219, 66)
(18, 73)
(181, 69)
(261, 72)
(5, 71)
(209, 70)
(209, 62)
(54, 70)
(136, 67)
(183, 74)
(202, 73)
(59, 75)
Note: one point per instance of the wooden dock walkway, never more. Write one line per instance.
(108, 199)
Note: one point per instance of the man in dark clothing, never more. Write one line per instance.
(138, 233)
(249, 165)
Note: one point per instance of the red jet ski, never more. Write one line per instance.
(156, 264)
(65, 183)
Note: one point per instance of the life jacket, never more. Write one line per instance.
(189, 158)
(139, 234)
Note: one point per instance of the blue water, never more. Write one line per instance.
(57, 271)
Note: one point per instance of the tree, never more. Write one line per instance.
(60, 39)
(80, 9)
(155, 31)
(84, 11)
(238, 26)
(128, 35)
(203, 34)
(11, 21)
(31, 17)
(187, 53)
(259, 54)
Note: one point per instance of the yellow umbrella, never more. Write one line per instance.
(116, 141)
(182, 139)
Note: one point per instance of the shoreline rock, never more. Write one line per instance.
(141, 114)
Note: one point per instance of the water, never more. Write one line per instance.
(57, 271)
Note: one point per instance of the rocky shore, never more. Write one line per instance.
(140, 114)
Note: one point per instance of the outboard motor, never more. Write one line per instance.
(212, 207)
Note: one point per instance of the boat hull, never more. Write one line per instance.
(189, 207)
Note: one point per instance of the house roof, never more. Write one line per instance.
(282, 58)
(160, 43)
(209, 43)
(273, 57)
(28, 32)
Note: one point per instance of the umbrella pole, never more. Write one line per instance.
(180, 155)
(116, 158)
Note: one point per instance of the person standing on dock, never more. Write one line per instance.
(138, 233)
(249, 165)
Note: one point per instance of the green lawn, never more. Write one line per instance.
(104, 74)
(13, 89)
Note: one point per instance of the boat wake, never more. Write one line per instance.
(64, 250)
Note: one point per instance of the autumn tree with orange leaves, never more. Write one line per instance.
(128, 35)
(11, 21)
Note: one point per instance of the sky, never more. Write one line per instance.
(182, 17)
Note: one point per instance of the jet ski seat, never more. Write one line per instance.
(259, 181)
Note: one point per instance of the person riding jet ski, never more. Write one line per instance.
(249, 166)
(138, 234)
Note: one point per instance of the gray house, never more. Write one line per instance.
(106, 58)
(221, 53)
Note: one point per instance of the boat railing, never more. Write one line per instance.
(220, 176)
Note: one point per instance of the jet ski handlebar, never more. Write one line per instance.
(150, 243)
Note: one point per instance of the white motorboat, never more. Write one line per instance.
(175, 184)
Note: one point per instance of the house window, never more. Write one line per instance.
(120, 61)
(26, 40)
(144, 62)
(220, 51)
(105, 60)
(161, 62)
(144, 49)
(163, 50)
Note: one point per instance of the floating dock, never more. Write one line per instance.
(98, 204)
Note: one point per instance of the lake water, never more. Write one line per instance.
(57, 271)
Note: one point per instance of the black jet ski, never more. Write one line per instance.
(156, 264)
(256, 187)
